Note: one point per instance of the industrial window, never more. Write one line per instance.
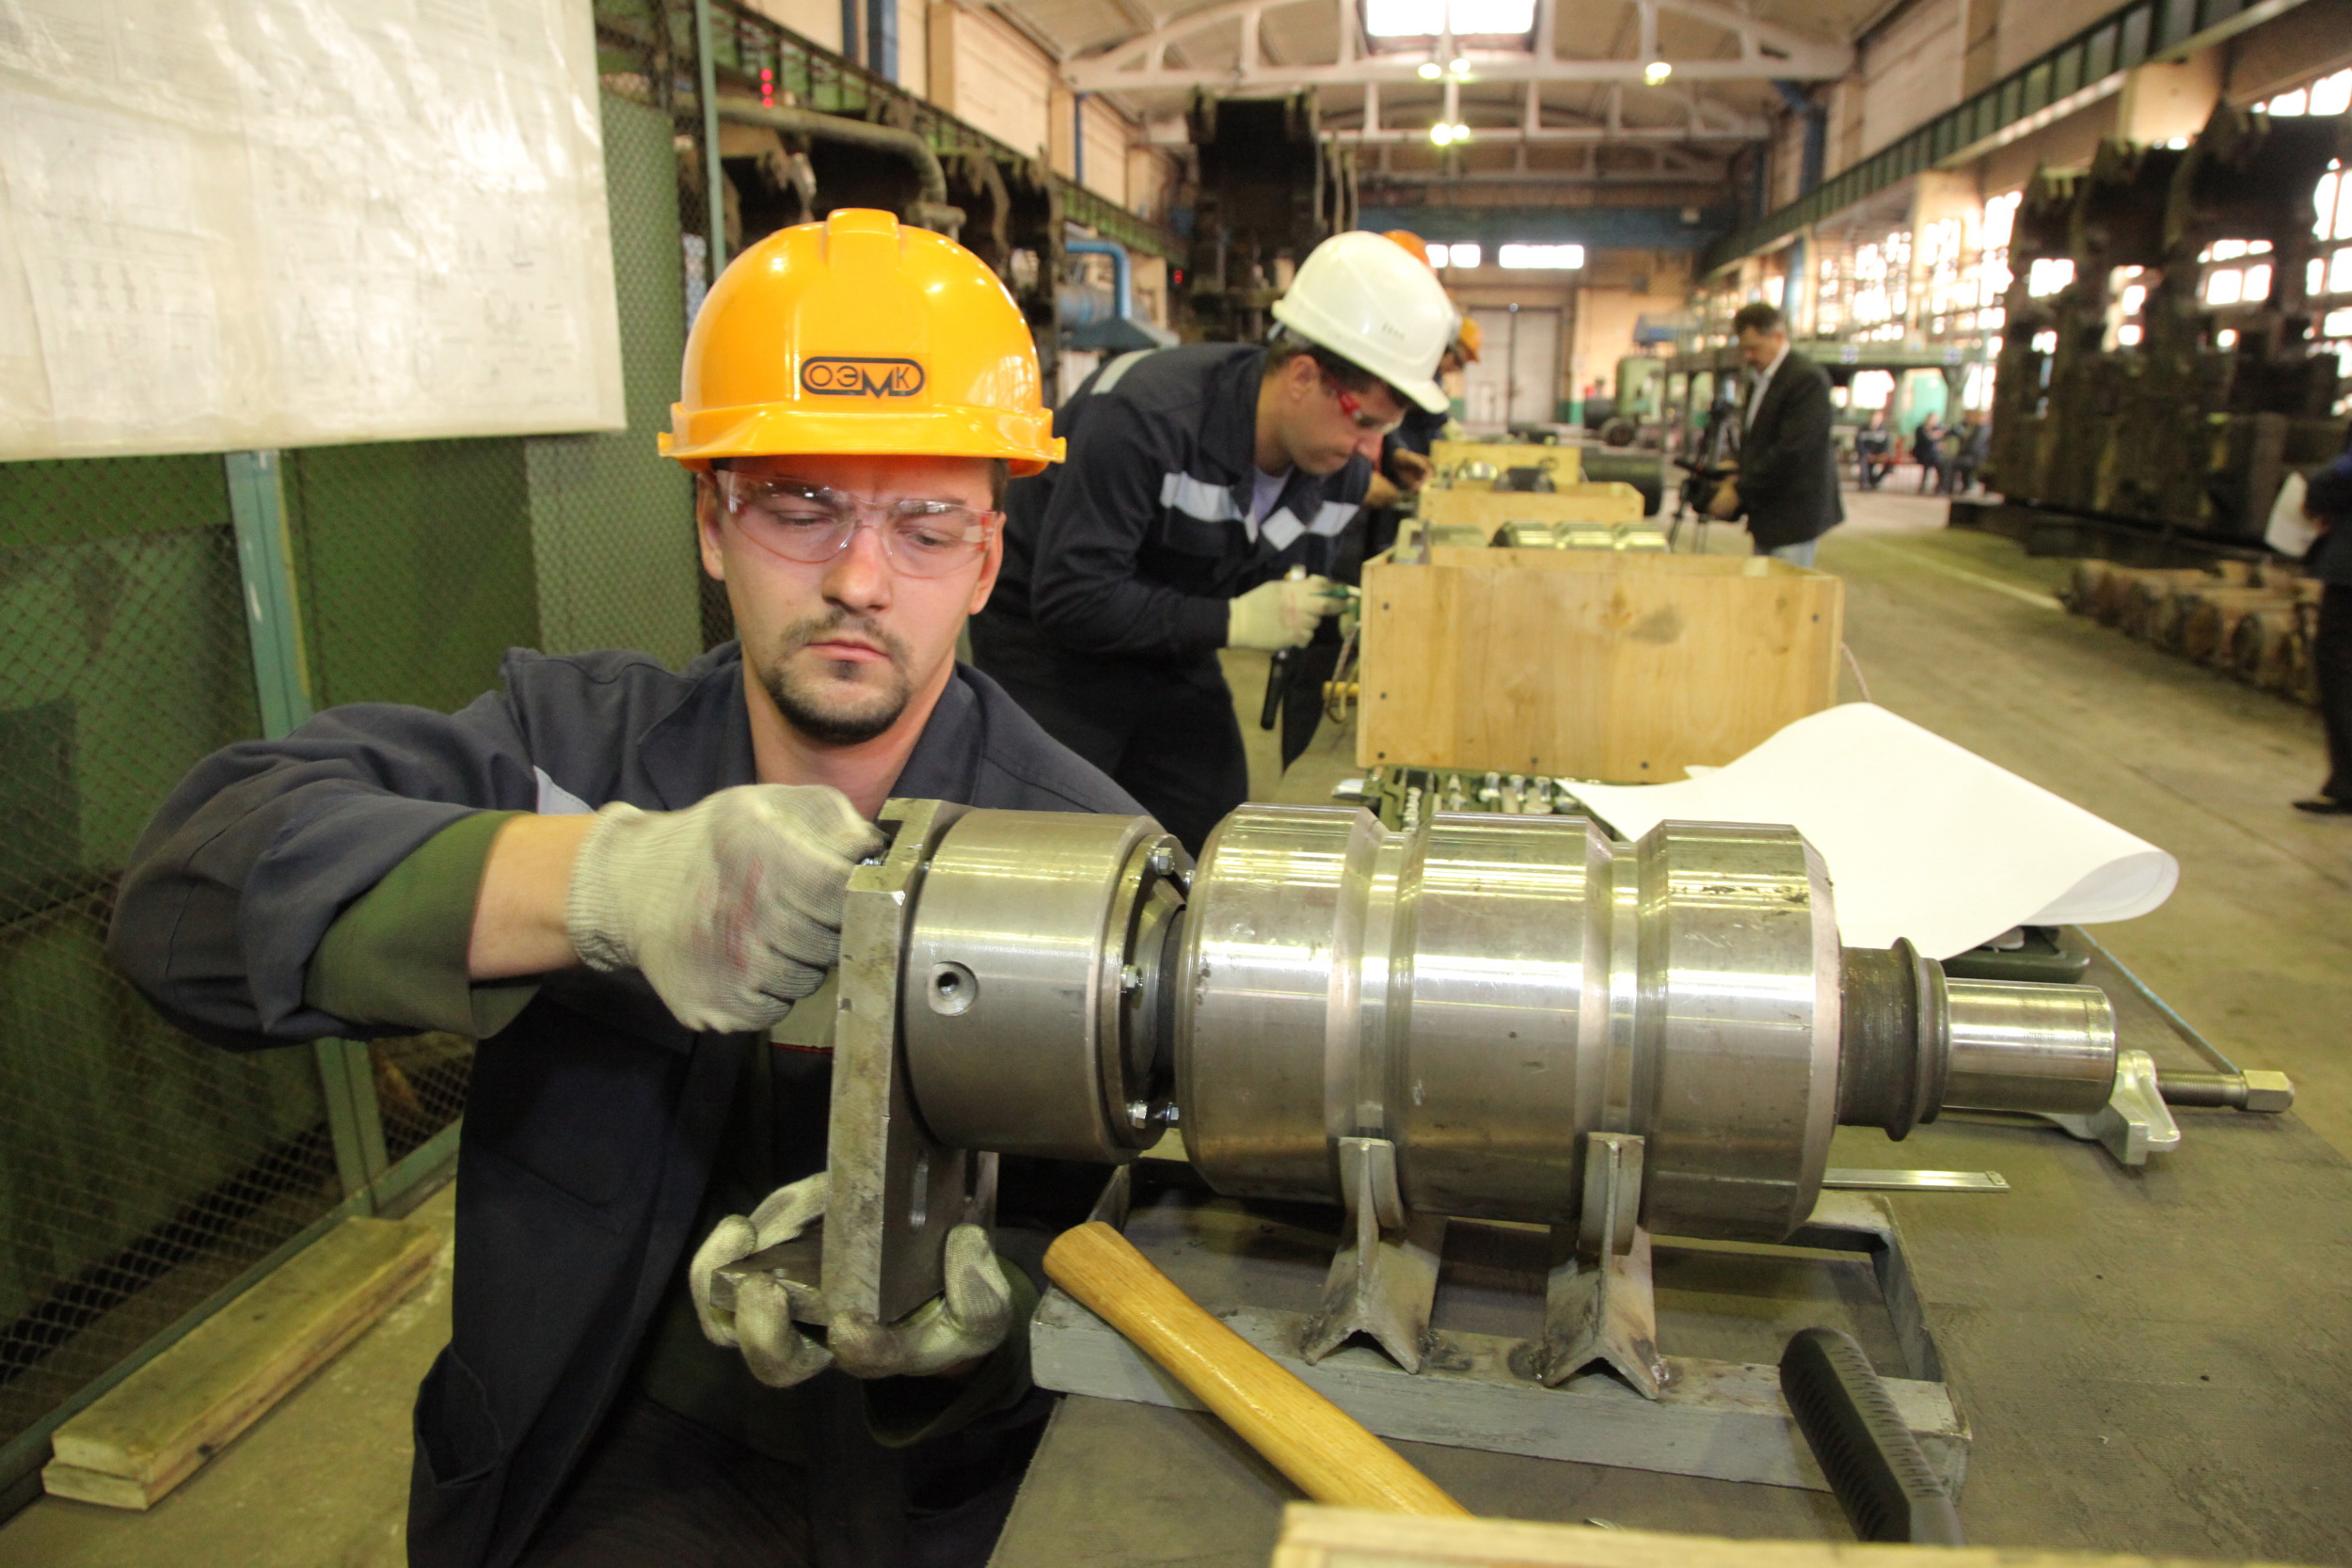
(1560, 258)
(2330, 95)
(1463, 18)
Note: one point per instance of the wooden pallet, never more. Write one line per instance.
(160, 1425)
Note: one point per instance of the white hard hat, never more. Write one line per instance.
(1364, 298)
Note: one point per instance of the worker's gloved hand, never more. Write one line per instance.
(1280, 614)
(730, 909)
(964, 1324)
(1407, 469)
(760, 1324)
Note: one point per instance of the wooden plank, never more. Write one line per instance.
(165, 1420)
(1317, 1536)
(1568, 461)
(1613, 502)
(1721, 1419)
(1590, 664)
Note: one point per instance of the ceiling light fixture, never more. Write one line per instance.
(1656, 72)
(1431, 70)
(1460, 66)
(1449, 136)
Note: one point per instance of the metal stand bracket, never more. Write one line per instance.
(1722, 1419)
(2135, 1122)
(1598, 1303)
(1384, 1280)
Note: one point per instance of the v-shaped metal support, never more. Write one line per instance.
(1384, 1281)
(1597, 1305)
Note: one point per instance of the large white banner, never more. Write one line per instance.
(261, 223)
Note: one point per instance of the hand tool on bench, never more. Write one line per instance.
(1322, 1449)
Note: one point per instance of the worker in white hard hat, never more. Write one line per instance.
(1200, 508)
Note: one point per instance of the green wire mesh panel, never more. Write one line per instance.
(140, 1170)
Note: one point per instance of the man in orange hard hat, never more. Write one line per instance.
(1202, 506)
(619, 878)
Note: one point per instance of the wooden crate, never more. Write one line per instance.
(1613, 502)
(1325, 1537)
(1567, 462)
(1589, 664)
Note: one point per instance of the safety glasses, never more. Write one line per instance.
(812, 524)
(1351, 406)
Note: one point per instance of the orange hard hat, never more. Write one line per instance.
(1412, 244)
(1468, 338)
(859, 335)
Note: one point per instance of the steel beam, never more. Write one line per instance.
(1766, 51)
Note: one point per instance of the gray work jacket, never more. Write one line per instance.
(594, 1119)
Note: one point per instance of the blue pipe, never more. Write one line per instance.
(1123, 271)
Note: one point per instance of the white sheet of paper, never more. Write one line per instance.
(227, 224)
(1923, 838)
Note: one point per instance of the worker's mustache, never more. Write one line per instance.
(817, 628)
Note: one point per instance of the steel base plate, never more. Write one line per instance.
(1261, 1268)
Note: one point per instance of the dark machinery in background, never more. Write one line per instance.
(2176, 431)
(788, 165)
(1271, 189)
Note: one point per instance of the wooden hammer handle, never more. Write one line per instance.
(1320, 1447)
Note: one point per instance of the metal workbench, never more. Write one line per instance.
(2154, 1359)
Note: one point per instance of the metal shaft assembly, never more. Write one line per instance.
(1480, 992)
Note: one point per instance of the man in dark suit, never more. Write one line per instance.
(1786, 479)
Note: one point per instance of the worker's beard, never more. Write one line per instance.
(834, 701)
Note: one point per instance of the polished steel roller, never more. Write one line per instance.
(1480, 992)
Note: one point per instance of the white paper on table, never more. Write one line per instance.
(1923, 839)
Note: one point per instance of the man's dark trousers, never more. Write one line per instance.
(1166, 733)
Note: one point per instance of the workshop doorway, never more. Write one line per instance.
(1517, 378)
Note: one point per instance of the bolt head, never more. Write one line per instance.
(2269, 1092)
(1130, 979)
(1139, 1114)
(1163, 859)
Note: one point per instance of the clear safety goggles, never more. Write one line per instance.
(813, 524)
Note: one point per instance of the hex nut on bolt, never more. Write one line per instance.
(1163, 861)
(1130, 979)
(1139, 1114)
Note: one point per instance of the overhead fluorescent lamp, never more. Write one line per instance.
(1656, 72)
(1553, 258)
(1409, 18)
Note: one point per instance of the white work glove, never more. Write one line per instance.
(964, 1322)
(1280, 614)
(761, 1324)
(730, 909)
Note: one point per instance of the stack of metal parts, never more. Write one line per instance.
(1642, 536)
(1403, 798)
(2256, 619)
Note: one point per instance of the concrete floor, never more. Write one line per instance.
(1956, 631)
